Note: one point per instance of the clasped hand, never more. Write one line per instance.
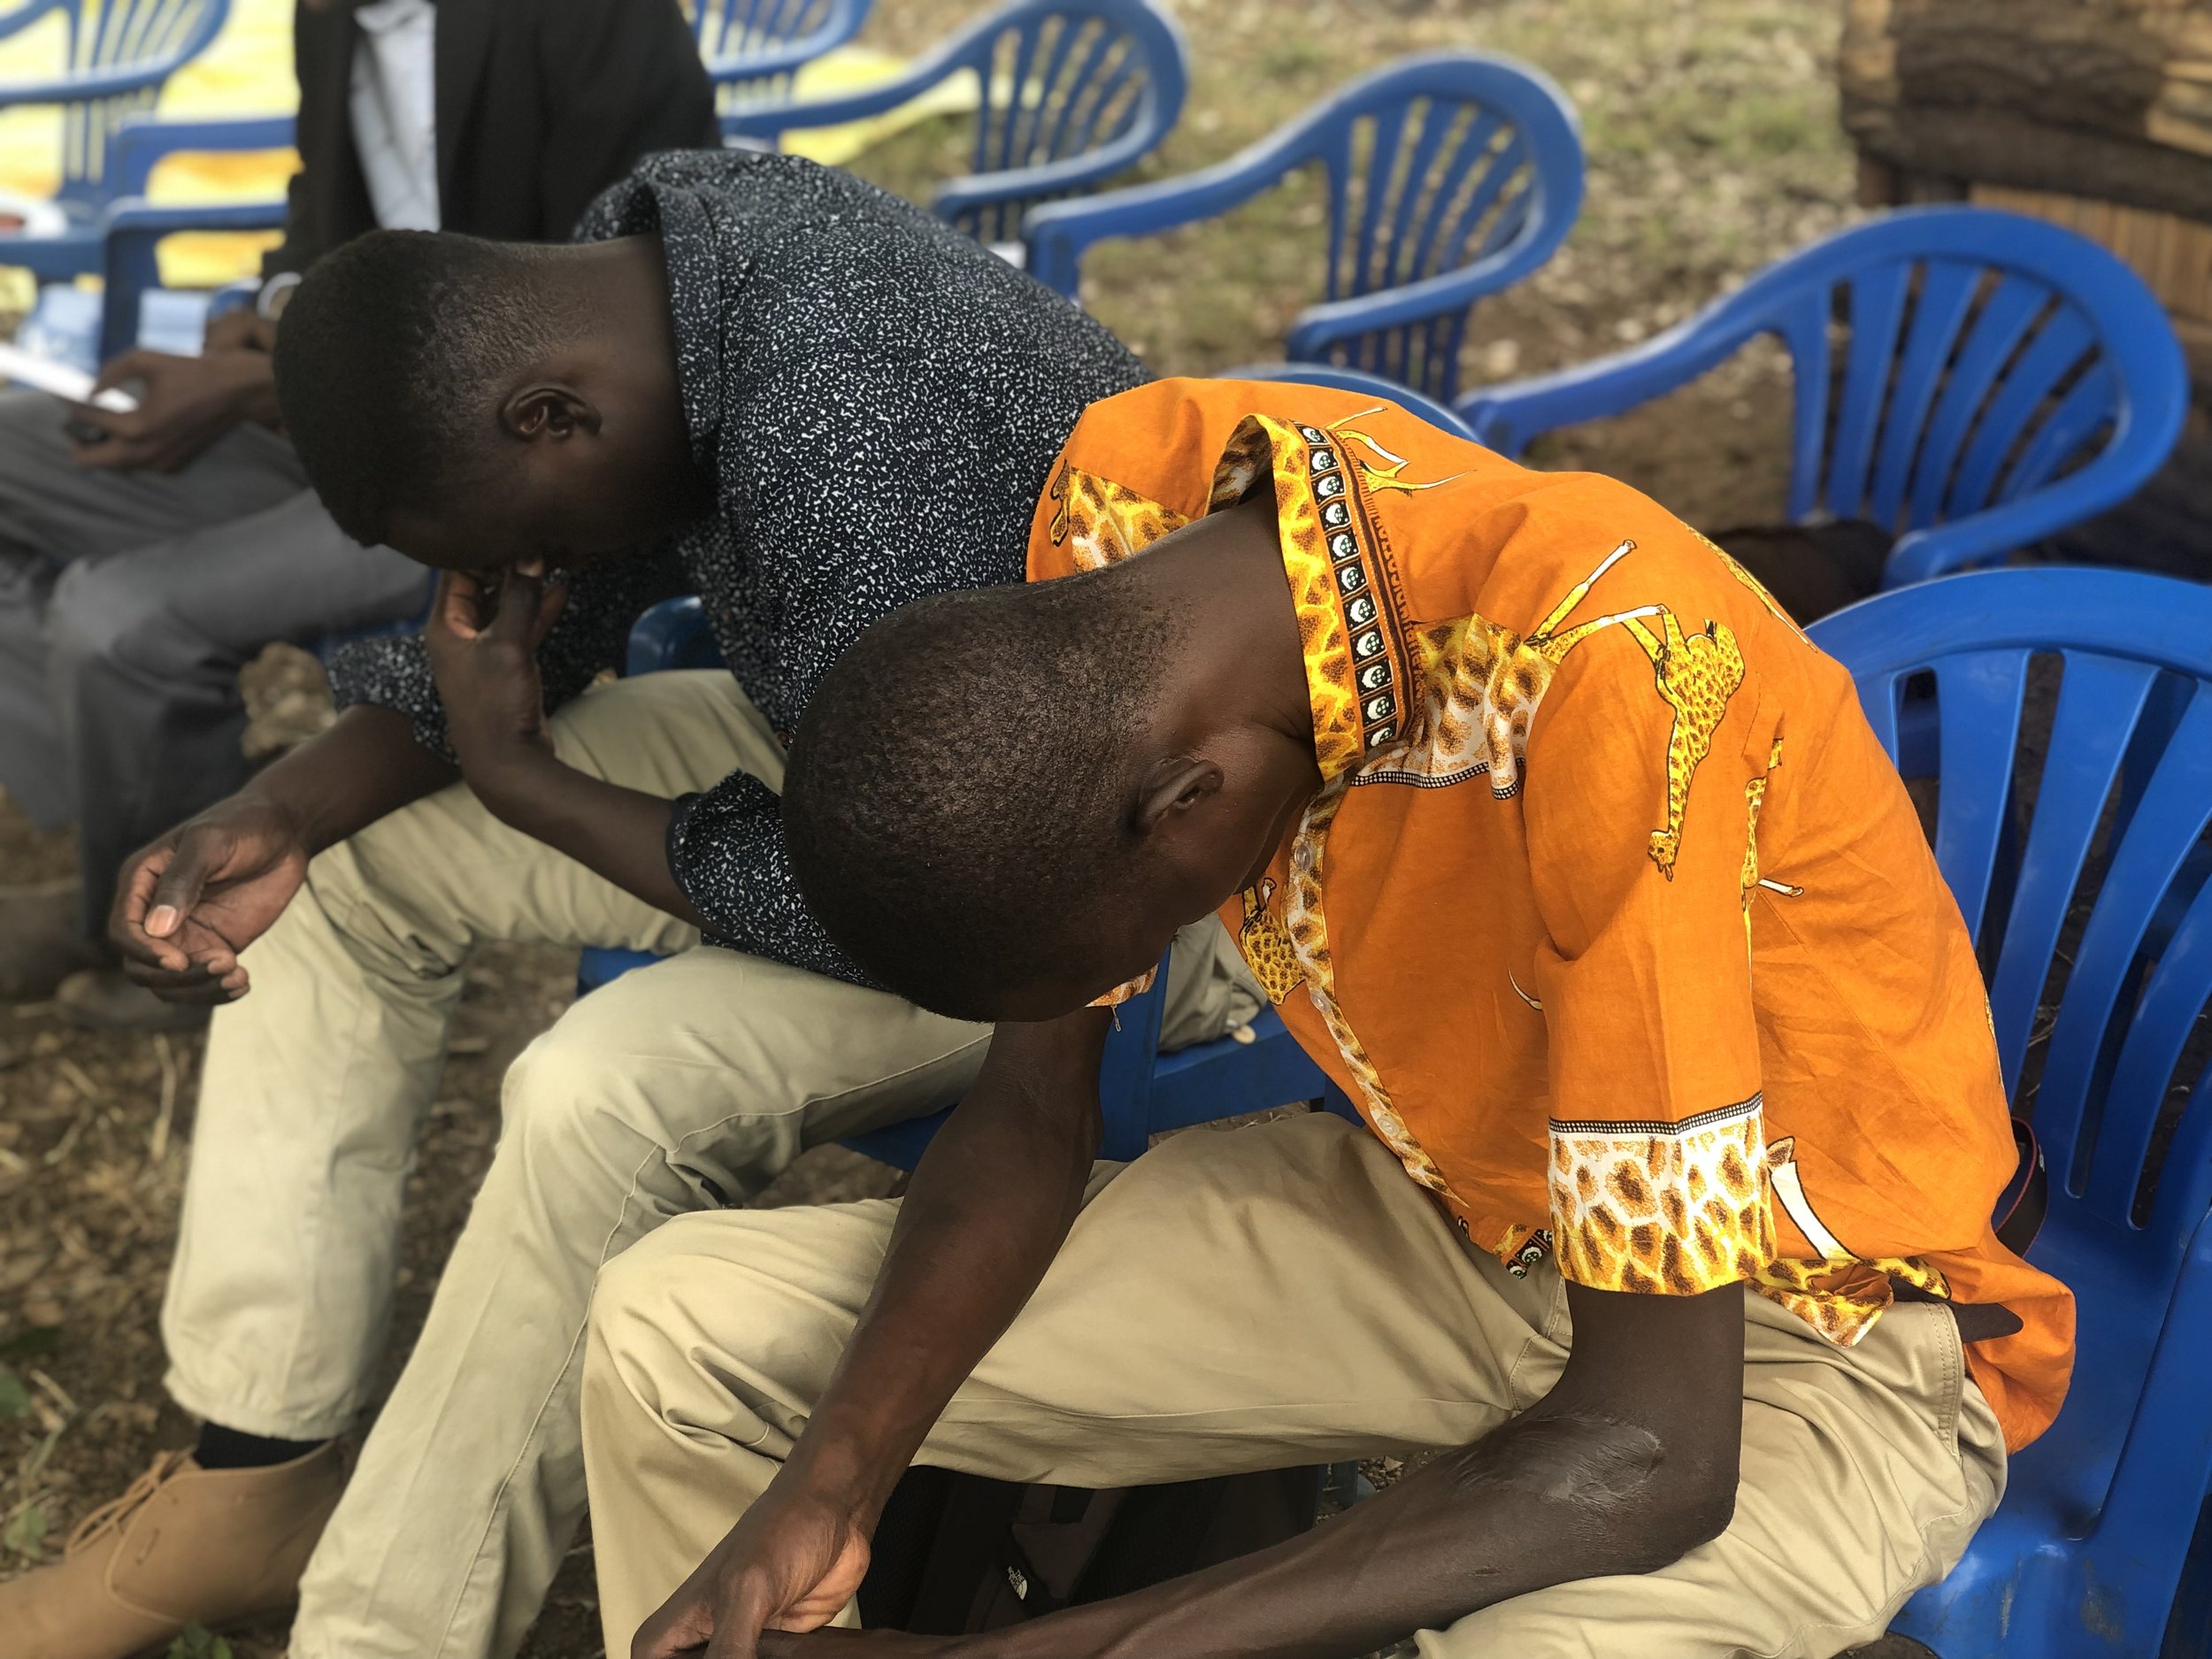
(483, 637)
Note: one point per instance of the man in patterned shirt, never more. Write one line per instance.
(1577, 867)
(752, 378)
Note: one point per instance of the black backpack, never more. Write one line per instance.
(958, 1553)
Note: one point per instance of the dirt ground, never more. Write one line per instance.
(1713, 144)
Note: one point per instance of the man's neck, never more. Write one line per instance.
(1243, 657)
(622, 287)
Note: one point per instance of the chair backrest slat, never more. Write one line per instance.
(1978, 707)
(2102, 933)
(1877, 315)
(1424, 177)
(2081, 419)
(2057, 351)
(1057, 80)
(1990, 340)
(1940, 308)
(1426, 243)
(1803, 325)
(1415, 205)
(2173, 989)
(2100, 700)
(2174, 808)
(128, 48)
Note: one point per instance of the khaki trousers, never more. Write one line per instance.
(679, 1086)
(1247, 1298)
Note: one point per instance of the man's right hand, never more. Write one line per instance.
(188, 904)
(791, 1563)
(185, 404)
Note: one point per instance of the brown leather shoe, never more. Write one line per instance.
(41, 941)
(183, 1545)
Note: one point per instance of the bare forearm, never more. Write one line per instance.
(1542, 1501)
(366, 764)
(617, 833)
(987, 1212)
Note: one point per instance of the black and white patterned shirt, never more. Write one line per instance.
(879, 399)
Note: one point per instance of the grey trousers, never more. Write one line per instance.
(128, 602)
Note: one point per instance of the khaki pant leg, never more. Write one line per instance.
(1209, 987)
(681, 1086)
(316, 1082)
(1274, 1294)
(1232, 1301)
(1865, 1472)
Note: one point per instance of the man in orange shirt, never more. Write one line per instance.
(1579, 868)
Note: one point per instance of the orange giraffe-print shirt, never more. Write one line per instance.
(1611, 915)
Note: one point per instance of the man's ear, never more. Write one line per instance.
(548, 409)
(1172, 786)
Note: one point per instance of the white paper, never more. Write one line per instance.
(45, 375)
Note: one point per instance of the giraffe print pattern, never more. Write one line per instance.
(1754, 795)
(1265, 945)
(1663, 1209)
(1306, 921)
(1696, 675)
(1103, 522)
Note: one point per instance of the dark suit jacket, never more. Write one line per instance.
(540, 106)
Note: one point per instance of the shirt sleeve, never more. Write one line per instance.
(1637, 807)
(586, 639)
(726, 849)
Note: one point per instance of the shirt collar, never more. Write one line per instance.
(1349, 630)
(683, 221)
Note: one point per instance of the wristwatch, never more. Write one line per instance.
(275, 293)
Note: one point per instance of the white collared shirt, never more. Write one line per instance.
(394, 107)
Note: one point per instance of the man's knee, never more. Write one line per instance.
(100, 617)
(645, 1311)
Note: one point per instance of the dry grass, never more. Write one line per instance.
(1713, 148)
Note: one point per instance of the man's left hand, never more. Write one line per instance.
(483, 642)
(185, 404)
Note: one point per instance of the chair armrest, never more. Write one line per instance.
(1058, 233)
(788, 58)
(1320, 325)
(135, 217)
(130, 232)
(138, 144)
(82, 86)
(771, 120)
(1508, 417)
(2125, 466)
(1048, 178)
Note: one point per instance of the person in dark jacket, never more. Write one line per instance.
(144, 557)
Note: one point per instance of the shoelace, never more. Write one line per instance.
(113, 1514)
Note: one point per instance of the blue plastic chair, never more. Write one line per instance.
(1072, 92)
(120, 54)
(132, 228)
(2085, 1553)
(2003, 378)
(751, 48)
(1450, 176)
